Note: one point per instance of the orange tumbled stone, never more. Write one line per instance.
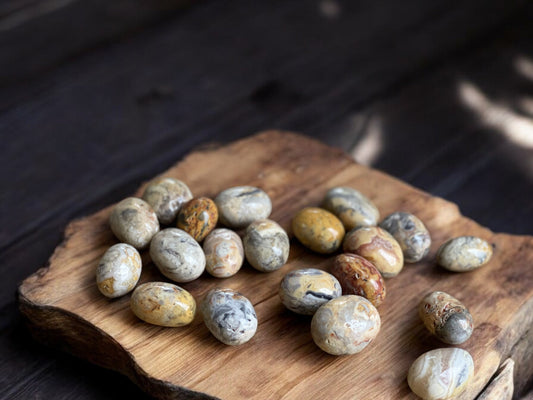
(198, 217)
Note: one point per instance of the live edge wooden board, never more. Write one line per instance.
(65, 309)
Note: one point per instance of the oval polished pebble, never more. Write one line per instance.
(266, 245)
(441, 374)
(377, 246)
(345, 325)
(198, 217)
(305, 290)
(229, 316)
(318, 229)
(410, 233)
(446, 317)
(134, 222)
(166, 196)
(351, 207)
(239, 206)
(177, 255)
(162, 303)
(464, 253)
(224, 253)
(359, 276)
(119, 270)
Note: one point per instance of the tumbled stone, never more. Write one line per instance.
(352, 207)
(224, 253)
(164, 304)
(446, 317)
(229, 316)
(345, 325)
(464, 253)
(359, 276)
(134, 222)
(441, 374)
(166, 196)
(198, 217)
(119, 270)
(177, 255)
(239, 206)
(318, 229)
(410, 233)
(266, 245)
(305, 290)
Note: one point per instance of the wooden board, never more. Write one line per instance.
(66, 310)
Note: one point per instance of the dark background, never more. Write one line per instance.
(98, 96)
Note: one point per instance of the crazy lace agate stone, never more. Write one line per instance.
(464, 253)
(239, 206)
(134, 222)
(345, 325)
(266, 245)
(351, 207)
(224, 253)
(318, 229)
(166, 196)
(446, 317)
(303, 291)
(441, 374)
(177, 255)
(410, 233)
(377, 246)
(198, 217)
(359, 276)
(229, 316)
(164, 304)
(119, 270)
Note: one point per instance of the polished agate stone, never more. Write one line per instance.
(266, 245)
(441, 374)
(119, 270)
(345, 325)
(464, 253)
(198, 217)
(229, 316)
(410, 233)
(239, 206)
(303, 291)
(351, 207)
(164, 304)
(224, 253)
(446, 317)
(134, 222)
(177, 255)
(166, 196)
(318, 229)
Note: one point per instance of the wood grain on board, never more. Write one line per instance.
(65, 309)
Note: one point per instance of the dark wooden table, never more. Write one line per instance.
(99, 96)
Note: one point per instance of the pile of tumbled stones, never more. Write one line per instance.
(343, 303)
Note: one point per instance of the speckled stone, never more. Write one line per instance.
(410, 233)
(198, 217)
(318, 229)
(359, 276)
(224, 253)
(163, 304)
(351, 207)
(305, 290)
(119, 270)
(377, 246)
(239, 206)
(166, 196)
(134, 222)
(229, 316)
(266, 245)
(464, 254)
(345, 325)
(446, 317)
(177, 255)
(441, 374)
